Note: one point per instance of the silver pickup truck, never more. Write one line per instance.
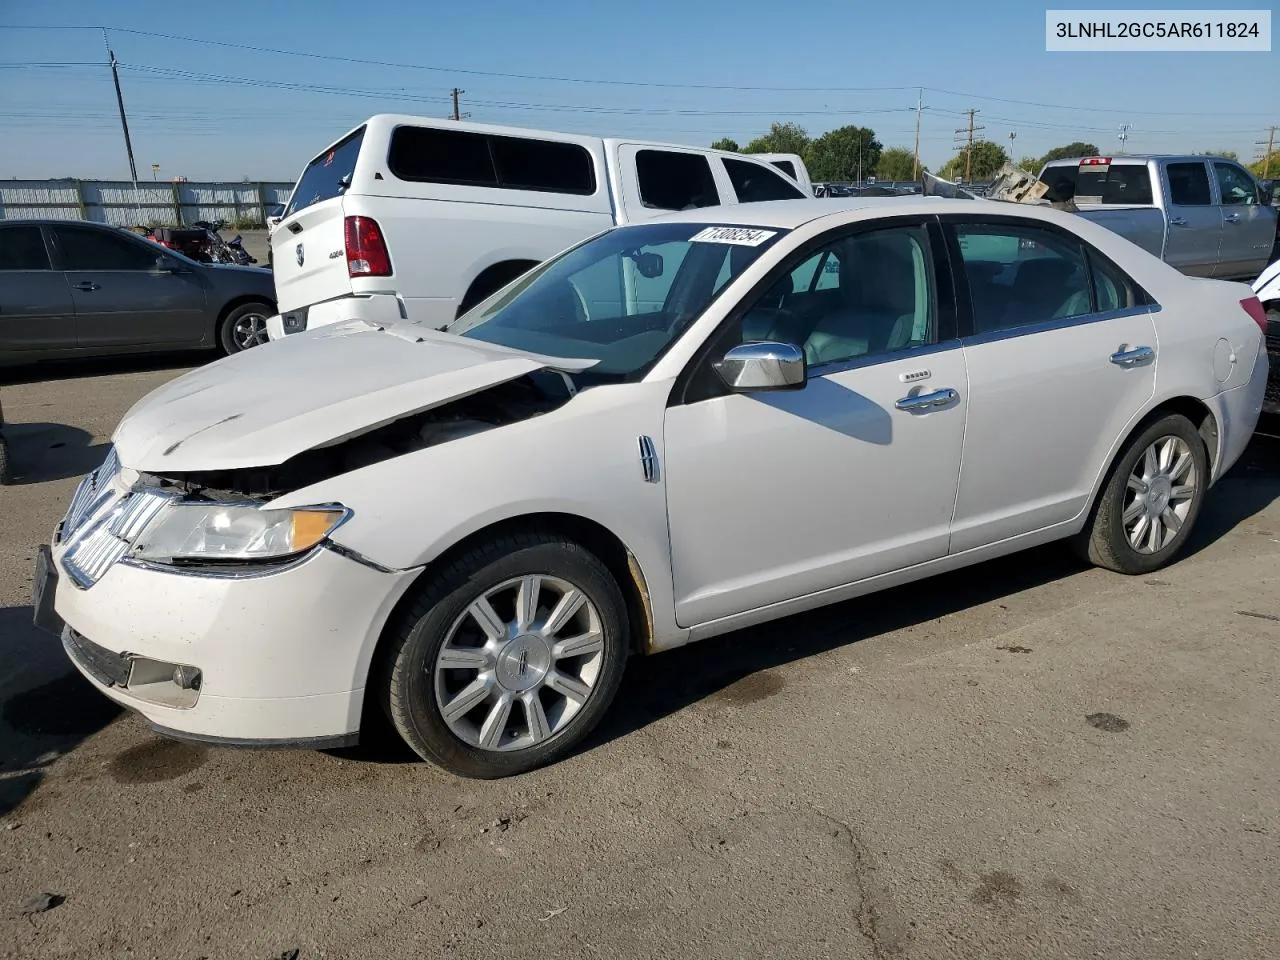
(1206, 216)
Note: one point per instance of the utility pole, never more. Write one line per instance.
(124, 123)
(915, 161)
(1270, 144)
(1124, 134)
(1013, 135)
(456, 93)
(968, 144)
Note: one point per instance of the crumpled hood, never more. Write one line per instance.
(261, 407)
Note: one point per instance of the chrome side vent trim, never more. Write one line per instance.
(649, 460)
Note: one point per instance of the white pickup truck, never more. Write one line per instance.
(421, 218)
(1206, 216)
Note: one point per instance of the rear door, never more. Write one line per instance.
(1248, 228)
(755, 182)
(308, 248)
(1060, 351)
(1195, 223)
(120, 298)
(36, 312)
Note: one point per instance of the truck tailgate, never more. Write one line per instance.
(308, 251)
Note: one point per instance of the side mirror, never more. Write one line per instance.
(766, 365)
(164, 266)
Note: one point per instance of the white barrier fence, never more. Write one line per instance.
(124, 203)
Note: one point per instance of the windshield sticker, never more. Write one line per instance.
(741, 236)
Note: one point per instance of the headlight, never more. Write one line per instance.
(223, 531)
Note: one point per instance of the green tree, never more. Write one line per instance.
(844, 153)
(781, 138)
(896, 163)
(987, 158)
(1031, 165)
(726, 143)
(1265, 170)
(1225, 154)
(1070, 151)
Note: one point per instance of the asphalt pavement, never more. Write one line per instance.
(1026, 759)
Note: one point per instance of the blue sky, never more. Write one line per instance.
(206, 111)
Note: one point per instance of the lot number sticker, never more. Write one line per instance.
(741, 236)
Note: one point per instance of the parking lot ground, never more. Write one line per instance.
(1027, 759)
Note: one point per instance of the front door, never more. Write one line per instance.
(1058, 368)
(776, 495)
(121, 299)
(35, 305)
(1248, 228)
(1195, 225)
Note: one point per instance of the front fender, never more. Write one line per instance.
(582, 459)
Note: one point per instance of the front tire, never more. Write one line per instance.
(244, 327)
(1150, 501)
(508, 657)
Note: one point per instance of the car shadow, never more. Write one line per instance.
(46, 707)
(39, 452)
(103, 366)
(655, 687)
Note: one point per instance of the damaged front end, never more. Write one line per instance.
(511, 402)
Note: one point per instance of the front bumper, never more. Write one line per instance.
(282, 657)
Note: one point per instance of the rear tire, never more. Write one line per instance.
(6, 476)
(244, 327)
(487, 684)
(1150, 500)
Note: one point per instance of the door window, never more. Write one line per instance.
(1189, 185)
(102, 250)
(675, 181)
(1235, 185)
(753, 182)
(866, 294)
(1021, 275)
(22, 248)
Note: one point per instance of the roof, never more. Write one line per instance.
(1136, 157)
(789, 214)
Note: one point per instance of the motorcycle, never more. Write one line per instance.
(203, 242)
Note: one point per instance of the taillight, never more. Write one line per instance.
(1253, 307)
(366, 249)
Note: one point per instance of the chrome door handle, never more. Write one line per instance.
(926, 401)
(1178, 221)
(1234, 218)
(87, 286)
(1129, 358)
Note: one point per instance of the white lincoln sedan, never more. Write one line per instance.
(670, 431)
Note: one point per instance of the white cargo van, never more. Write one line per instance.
(420, 218)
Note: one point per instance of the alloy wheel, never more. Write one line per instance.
(519, 664)
(1160, 492)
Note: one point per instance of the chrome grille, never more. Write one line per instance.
(109, 534)
(92, 495)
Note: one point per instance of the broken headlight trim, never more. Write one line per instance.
(206, 530)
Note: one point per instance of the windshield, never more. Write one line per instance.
(621, 298)
(327, 175)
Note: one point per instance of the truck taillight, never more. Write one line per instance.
(1096, 162)
(366, 249)
(1253, 307)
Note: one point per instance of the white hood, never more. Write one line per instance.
(263, 406)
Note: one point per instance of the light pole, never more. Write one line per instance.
(1013, 135)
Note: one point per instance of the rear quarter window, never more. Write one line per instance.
(754, 182)
(675, 181)
(463, 158)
